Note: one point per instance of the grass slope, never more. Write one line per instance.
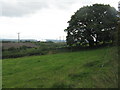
(83, 69)
(0, 74)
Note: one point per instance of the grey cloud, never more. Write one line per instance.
(23, 7)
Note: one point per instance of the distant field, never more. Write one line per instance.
(17, 45)
(14, 50)
(82, 69)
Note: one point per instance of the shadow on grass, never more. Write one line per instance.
(62, 84)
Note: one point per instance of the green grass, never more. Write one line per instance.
(82, 69)
(0, 74)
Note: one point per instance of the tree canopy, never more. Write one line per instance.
(91, 25)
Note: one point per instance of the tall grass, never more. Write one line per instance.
(108, 78)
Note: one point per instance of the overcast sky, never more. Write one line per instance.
(40, 19)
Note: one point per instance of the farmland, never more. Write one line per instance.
(14, 50)
(81, 69)
(17, 45)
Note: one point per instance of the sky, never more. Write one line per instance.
(40, 19)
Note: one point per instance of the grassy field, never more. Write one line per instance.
(81, 69)
(0, 74)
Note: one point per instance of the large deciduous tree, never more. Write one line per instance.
(92, 25)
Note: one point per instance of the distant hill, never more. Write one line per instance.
(31, 40)
(15, 40)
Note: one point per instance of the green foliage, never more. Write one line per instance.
(11, 49)
(118, 32)
(92, 24)
(96, 68)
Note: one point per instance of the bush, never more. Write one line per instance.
(11, 49)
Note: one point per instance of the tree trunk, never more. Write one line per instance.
(91, 43)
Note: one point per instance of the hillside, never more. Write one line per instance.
(83, 69)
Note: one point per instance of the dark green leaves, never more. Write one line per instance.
(91, 24)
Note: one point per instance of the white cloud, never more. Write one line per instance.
(44, 24)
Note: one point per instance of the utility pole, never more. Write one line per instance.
(60, 38)
(18, 37)
(63, 38)
(119, 6)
